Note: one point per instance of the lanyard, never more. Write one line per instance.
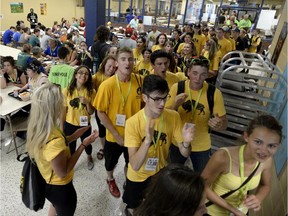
(124, 99)
(155, 142)
(83, 57)
(193, 107)
(11, 79)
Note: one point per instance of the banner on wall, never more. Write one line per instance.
(280, 42)
(43, 8)
(16, 7)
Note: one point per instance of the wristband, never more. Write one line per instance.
(83, 145)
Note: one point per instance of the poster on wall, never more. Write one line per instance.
(280, 42)
(43, 8)
(16, 7)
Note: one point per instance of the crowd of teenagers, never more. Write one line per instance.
(151, 98)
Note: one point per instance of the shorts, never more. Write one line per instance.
(112, 152)
(135, 192)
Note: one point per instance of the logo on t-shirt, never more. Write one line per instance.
(188, 108)
(162, 138)
(75, 103)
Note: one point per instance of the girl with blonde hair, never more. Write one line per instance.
(47, 144)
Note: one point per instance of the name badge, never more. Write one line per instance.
(83, 120)
(120, 120)
(151, 164)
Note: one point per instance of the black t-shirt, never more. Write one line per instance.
(84, 60)
(33, 18)
(17, 80)
(240, 44)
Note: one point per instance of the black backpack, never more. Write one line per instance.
(97, 59)
(32, 184)
(210, 94)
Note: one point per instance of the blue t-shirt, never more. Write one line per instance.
(16, 36)
(50, 52)
(7, 36)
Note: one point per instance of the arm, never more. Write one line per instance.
(62, 165)
(3, 83)
(90, 108)
(22, 79)
(109, 126)
(217, 165)
(137, 156)
(179, 100)
(218, 123)
(254, 201)
(188, 135)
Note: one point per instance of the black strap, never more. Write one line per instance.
(232, 191)
(181, 87)
(210, 97)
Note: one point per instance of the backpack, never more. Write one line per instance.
(210, 94)
(32, 184)
(97, 59)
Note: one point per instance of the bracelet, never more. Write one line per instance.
(83, 145)
(186, 147)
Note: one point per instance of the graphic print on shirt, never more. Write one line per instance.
(187, 106)
(75, 103)
(162, 138)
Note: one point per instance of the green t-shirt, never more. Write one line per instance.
(61, 74)
(34, 41)
(22, 60)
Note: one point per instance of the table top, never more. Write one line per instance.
(10, 104)
(9, 51)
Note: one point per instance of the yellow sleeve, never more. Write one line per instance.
(219, 107)
(54, 148)
(101, 101)
(229, 46)
(153, 48)
(133, 136)
(180, 48)
(215, 62)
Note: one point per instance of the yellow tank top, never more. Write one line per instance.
(227, 182)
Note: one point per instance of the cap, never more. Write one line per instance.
(226, 29)
(129, 32)
(236, 30)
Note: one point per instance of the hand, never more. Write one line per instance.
(252, 202)
(216, 122)
(78, 133)
(90, 139)
(83, 100)
(2, 71)
(149, 130)
(188, 132)
(179, 100)
(119, 139)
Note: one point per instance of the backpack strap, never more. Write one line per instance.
(210, 98)
(181, 87)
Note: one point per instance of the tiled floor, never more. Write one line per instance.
(93, 196)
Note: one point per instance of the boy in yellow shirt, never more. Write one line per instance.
(148, 136)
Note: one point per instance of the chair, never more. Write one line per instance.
(16, 124)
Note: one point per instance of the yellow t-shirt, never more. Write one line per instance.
(137, 55)
(214, 63)
(233, 44)
(181, 76)
(180, 48)
(256, 41)
(109, 100)
(97, 79)
(171, 78)
(199, 41)
(143, 68)
(202, 141)
(224, 46)
(206, 37)
(50, 151)
(135, 131)
(156, 47)
(75, 108)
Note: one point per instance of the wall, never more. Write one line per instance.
(276, 202)
(55, 11)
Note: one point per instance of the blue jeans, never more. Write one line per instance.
(199, 159)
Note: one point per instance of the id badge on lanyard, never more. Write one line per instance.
(151, 164)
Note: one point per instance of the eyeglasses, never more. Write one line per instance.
(159, 99)
(201, 62)
(83, 73)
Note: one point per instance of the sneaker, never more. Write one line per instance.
(114, 190)
(90, 164)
